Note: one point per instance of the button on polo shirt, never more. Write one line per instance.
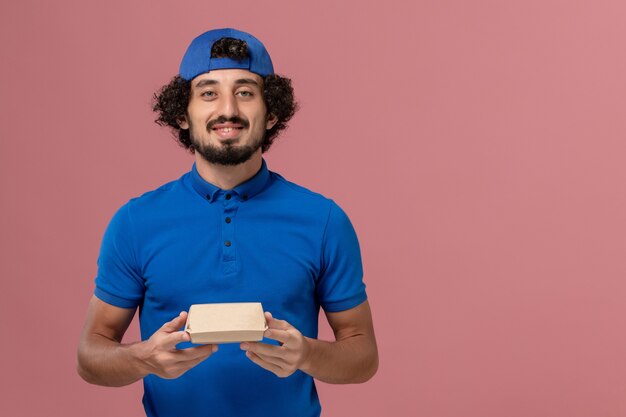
(230, 202)
(271, 241)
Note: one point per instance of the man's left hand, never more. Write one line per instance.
(282, 360)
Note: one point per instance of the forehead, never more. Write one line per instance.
(227, 77)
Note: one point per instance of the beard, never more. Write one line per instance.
(228, 153)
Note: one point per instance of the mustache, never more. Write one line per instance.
(222, 119)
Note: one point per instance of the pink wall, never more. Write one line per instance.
(478, 148)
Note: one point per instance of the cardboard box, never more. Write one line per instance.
(226, 322)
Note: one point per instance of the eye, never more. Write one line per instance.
(245, 93)
(209, 94)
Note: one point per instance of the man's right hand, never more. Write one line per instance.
(159, 353)
(103, 359)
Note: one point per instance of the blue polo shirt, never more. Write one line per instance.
(267, 240)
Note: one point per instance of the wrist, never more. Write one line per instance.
(306, 365)
(139, 358)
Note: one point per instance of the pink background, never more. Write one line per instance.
(478, 148)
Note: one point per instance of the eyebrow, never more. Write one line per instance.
(246, 81)
(240, 81)
(202, 83)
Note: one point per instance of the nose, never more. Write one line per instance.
(228, 106)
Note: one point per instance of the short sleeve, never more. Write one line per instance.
(340, 285)
(119, 281)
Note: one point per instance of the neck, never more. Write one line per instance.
(228, 177)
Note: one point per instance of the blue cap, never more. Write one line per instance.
(197, 59)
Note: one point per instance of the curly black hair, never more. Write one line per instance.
(170, 101)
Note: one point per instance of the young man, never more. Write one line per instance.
(229, 230)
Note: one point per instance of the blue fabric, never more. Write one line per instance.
(290, 249)
(197, 59)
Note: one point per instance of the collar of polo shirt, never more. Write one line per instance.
(245, 191)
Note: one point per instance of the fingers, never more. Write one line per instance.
(277, 329)
(197, 352)
(273, 323)
(191, 363)
(280, 335)
(176, 323)
(264, 350)
(265, 364)
(281, 360)
(175, 363)
(163, 359)
(172, 339)
(172, 333)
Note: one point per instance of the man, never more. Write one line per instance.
(229, 230)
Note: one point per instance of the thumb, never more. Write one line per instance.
(172, 339)
(273, 323)
(176, 323)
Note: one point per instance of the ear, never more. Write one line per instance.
(271, 121)
(182, 122)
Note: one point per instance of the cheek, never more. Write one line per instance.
(260, 119)
(198, 121)
(199, 111)
(196, 127)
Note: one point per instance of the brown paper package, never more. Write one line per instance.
(226, 323)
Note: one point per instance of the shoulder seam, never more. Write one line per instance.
(299, 188)
(133, 243)
(168, 186)
(322, 243)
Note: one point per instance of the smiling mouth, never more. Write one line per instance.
(227, 132)
(226, 129)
